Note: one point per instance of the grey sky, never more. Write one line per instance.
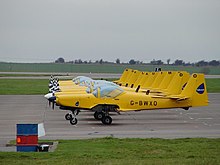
(43, 30)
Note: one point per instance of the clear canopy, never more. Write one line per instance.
(107, 91)
(82, 80)
(87, 81)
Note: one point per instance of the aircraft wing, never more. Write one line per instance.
(173, 97)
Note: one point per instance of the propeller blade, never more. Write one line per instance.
(53, 105)
(51, 99)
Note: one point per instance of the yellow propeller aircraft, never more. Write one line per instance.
(109, 98)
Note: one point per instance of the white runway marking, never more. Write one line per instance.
(205, 118)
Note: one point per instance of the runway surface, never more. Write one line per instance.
(172, 123)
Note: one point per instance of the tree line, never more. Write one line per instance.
(177, 62)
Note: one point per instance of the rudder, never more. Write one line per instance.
(196, 90)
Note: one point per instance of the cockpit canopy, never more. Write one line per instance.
(82, 80)
(107, 91)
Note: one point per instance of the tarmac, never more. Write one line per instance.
(165, 123)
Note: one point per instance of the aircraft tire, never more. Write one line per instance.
(98, 115)
(68, 116)
(107, 120)
(73, 121)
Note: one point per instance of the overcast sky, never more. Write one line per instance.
(43, 30)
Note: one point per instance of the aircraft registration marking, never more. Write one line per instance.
(143, 103)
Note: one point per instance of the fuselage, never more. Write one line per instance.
(126, 101)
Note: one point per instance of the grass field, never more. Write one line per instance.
(23, 86)
(110, 151)
(33, 86)
(24, 75)
(97, 68)
(213, 85)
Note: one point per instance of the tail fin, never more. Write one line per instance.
(134, 77)
(177, 83)
(195, 90)
(152, 76)
(167, 79)
(126, 72)
(158, 80)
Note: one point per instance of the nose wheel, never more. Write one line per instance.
(72, 117)
(68, 116)
(73, 121)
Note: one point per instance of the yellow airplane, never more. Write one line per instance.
(113, 98)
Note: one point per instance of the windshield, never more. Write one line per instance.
(108, 91)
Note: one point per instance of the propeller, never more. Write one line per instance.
(53, 105)
(51, 99)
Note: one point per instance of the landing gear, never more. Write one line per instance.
(103, 117)
(102, 113)
(72, 116)
(73, 121)
(99, 115)
(107, 120)
(68, 116)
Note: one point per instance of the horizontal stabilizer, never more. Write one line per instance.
(178, 97)
(174, 97)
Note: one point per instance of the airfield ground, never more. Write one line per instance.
(174, 123)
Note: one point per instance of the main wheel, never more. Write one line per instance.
(68, 116)
(107, 120)
(98, 115)
(73, 121)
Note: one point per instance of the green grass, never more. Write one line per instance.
(97, 68)
(110, 151)
(31, 75)
(23, 75)
(34, 86)
(213, 85)
(23, 86)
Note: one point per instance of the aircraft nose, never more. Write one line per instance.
(52, 99)
(49, 95)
